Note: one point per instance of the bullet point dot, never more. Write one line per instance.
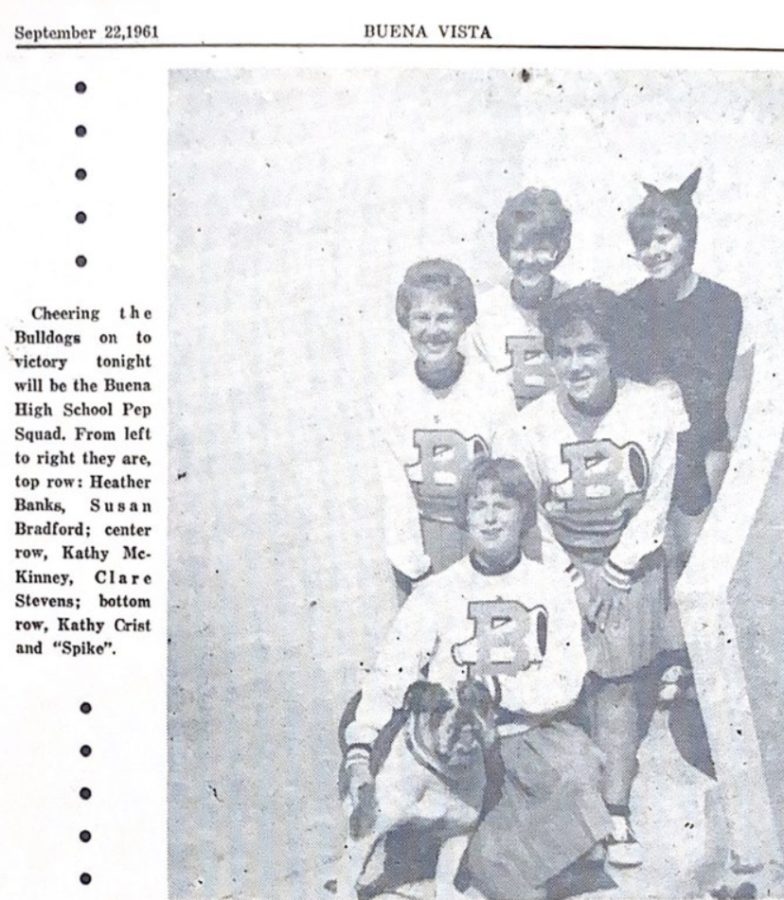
(80, 87)
(85, 793)
(86, 708)
(84, 836)
(81, 261)
(80, 131)
(85, 878)
(85, 749)
(80, 174)
(81, 217)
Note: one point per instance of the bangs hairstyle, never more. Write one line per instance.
(508, 477)
(588, 302)
(673, 209)
(540, 213)
(444, 279)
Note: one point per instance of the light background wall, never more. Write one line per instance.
(297, 200)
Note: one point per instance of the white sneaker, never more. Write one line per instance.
(623, 849)
(672, 685)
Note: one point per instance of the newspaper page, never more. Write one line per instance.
(392, 470)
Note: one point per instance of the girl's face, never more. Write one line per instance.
(495, 524)
(665, 255)
(531, 258)
(435, 328)
(581, 359)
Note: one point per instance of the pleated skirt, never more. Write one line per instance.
(549, 814)
(649, 627)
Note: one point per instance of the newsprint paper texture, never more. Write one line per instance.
(393, 471)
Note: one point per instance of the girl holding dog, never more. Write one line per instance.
(499, 619)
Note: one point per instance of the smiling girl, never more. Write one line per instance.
(434, 418)
(600, 451)
(533, 231)
(683, 327)
(511, 623)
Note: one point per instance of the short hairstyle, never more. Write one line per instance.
(673, 208)
(443, 278)
(541, 214)
(588, 302)
(508, 476)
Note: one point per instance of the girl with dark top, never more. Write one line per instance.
(683, 327)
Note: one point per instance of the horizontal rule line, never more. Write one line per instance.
(386, 45)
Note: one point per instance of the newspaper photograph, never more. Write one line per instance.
(395, 485)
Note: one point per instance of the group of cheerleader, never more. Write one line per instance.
(566, 429)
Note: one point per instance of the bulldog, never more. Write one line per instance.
(434, 772)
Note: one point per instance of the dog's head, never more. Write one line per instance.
(454, 732)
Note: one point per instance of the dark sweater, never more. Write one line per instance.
(693, 341)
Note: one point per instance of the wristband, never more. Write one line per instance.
(617, 577)
(357, 753)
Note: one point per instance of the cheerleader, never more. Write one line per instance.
(434, 418)
(601, 453)
(683, 327)
(534, 232)
(544, 809)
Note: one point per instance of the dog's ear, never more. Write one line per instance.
(427, 697)
(650, 188)
(475, 695)
(689, 186)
